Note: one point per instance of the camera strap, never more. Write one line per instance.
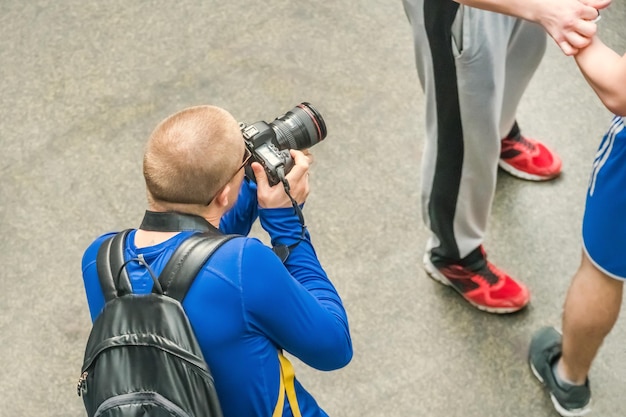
(173, 221)
(283, 251)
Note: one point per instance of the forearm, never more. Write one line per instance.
(544, 12)
(528, 10)
(605, 71)
(568, 22)
(297, 306)
(284, 228)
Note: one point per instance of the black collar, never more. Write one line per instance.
(172, 221)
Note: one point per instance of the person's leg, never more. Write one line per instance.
(521, 156)
(479, 47)
(594, 298)
(527, 47)
(443, 145)
(463, 84)
(562, 362)
(460, 55)
(591, 309)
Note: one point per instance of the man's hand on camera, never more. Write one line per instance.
(298, 178)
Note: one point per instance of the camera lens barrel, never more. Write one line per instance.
(299, 128)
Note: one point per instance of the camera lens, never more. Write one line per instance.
(299, 128)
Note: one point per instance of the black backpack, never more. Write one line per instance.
(142, 357)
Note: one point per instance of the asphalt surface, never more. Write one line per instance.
(84, 83)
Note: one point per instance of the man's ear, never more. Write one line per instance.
(221, 199)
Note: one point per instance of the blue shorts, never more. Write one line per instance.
(604, 222)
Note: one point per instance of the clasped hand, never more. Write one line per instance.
(571, 23)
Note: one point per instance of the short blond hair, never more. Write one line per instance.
(191, 155)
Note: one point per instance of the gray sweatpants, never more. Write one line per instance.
(473, 66)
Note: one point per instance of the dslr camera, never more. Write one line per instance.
(269, 143)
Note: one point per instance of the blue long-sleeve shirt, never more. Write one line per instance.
(245, 304)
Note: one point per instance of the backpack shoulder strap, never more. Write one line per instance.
(109, 263)
(187, 260)
(287, 385)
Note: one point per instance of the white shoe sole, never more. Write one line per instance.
(523, 175)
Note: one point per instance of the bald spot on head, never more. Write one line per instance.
(191, 155)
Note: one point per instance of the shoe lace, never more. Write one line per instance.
(488, 274)
(524, 142)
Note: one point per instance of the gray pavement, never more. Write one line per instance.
(84, 83)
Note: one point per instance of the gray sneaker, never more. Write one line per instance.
(545, 350)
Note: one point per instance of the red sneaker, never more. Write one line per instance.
(488, 288)
(528, 159)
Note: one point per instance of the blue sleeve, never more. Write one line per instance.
(239, 219)
(295, 304)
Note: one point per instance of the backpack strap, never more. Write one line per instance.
(187, 261)
(110, 265)
(287, 385)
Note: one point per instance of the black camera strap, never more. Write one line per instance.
(172, 221)
(283, 250)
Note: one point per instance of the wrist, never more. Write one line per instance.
(282, 224)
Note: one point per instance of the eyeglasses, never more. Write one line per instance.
(246, 158)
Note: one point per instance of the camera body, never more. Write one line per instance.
(269, 143)
(260, 140)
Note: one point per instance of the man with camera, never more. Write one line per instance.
(245, 305)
